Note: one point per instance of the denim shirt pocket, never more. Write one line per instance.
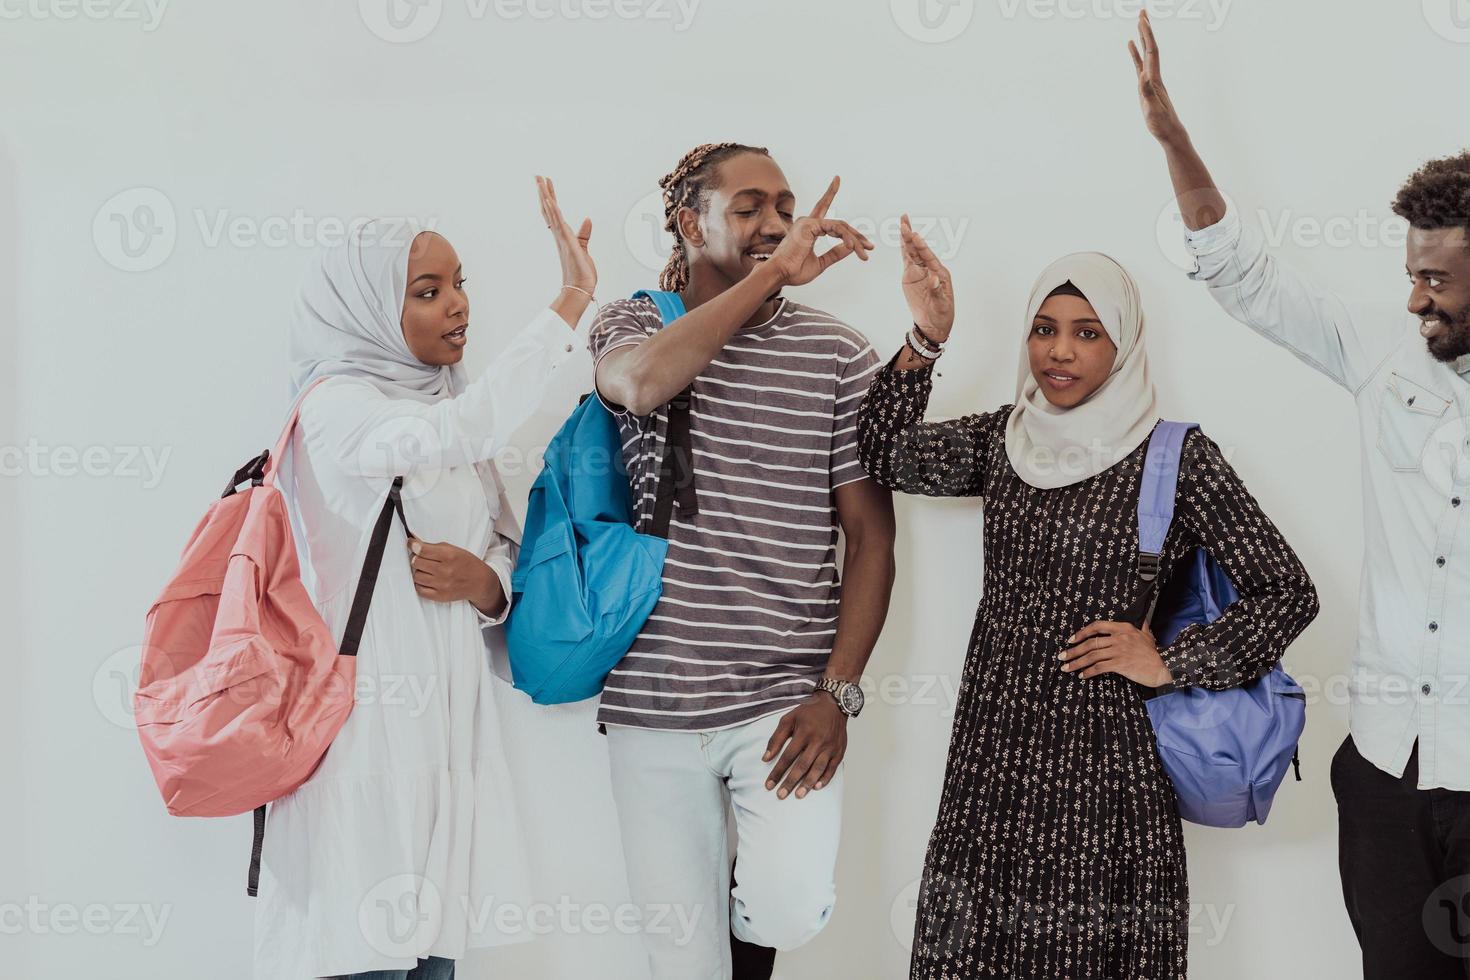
(1407, 416)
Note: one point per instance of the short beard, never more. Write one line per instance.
(1453, 342)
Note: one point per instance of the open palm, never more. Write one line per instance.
(926, 285)
(1158, 109)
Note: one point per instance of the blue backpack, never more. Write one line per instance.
(585, 581)
(1226, 752)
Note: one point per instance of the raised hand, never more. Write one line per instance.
(1158, 110)
(926, 285)
(577, 267)
(796, 256)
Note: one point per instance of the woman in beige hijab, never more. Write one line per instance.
(1057, 851)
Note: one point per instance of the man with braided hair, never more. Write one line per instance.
(1402, 776)
(739, 688)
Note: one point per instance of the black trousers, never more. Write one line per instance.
(1404, 855)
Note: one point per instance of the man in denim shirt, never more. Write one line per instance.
(1402, 777)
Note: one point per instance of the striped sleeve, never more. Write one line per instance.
(617, 325)
(857, 373)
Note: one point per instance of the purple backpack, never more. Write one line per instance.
(1225, 751)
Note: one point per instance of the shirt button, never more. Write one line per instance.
(1439, 561)
(1425, 689)
(1434, 627)
(1455, 501)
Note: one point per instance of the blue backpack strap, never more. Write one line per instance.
(1156, 494)
(676, 471)
(670, 305)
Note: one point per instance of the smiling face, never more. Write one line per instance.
(1070, 351)
(1439, 268)
(748, 211)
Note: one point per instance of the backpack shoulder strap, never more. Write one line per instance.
(676, 470)
(351, 637)
(670, 305)
(271, 460)
(1156, 493)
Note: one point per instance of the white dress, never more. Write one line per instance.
(404, 843)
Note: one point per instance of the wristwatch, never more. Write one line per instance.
(848, 695)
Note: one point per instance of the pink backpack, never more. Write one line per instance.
(242, 688)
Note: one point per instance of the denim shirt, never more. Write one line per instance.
(1411, 669)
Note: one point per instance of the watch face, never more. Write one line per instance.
(851, 699)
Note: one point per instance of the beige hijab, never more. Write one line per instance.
(1054, 447)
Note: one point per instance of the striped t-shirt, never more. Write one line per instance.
(750, 587)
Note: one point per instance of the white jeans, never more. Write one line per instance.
(671, 790)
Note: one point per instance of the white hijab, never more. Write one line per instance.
(348, 321)
(349, 317)
(1052, 447)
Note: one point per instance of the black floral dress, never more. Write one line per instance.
(1057, 852)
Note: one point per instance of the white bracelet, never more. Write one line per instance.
(918, 349)
(580, 290)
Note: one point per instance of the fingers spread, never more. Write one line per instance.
(825, 201)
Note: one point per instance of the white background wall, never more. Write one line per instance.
(1013, 123)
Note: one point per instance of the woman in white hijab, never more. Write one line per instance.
(392, 859)
(1057, 851)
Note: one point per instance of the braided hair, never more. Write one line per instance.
(688, 186)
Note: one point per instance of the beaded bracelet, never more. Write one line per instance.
(924, 339)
